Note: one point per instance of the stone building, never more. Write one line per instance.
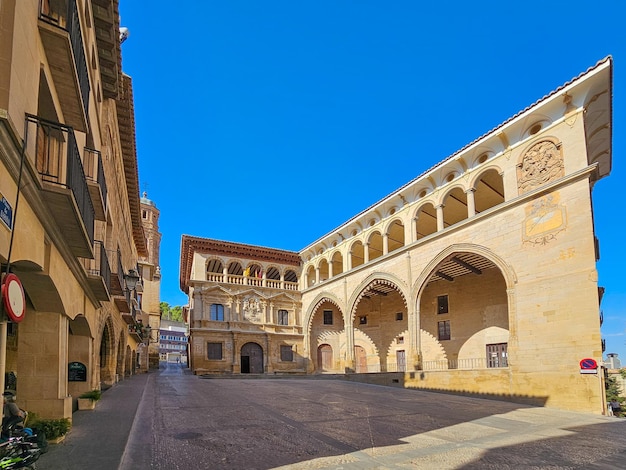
(478, 276)
(72, 234)
(173, 341)
(246, 312)
(150, 272)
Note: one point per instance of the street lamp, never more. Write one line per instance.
(132, 278)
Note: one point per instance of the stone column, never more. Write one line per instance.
(385, 244)
(225, 274)
(317, 275)
(439, 217)
(350, 361)
(366, 253)
(471, 204)
(330, 269)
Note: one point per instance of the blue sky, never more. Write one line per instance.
(273, 122)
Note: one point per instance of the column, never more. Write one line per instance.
(349, 261)
(225, 274)
(366, 253)
(317, 275)
(385, 244)
(471, 204)
(413, 354)
(350, 364)
(439, 217)
(413, 235)
(330, 269)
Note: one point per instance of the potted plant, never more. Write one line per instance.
(87, 401)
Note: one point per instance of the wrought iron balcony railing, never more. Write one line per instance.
(58, 162)
(63, 14)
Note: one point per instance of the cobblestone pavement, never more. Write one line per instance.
(187, 422)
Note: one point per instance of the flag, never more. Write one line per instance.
(246, 272)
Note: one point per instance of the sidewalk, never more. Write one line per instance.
(98, 437)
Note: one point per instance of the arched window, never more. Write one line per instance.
(217, 312)
(426, 221)
(337, 263)
(395, 236)
(489, 191)
(454, 207)
(357, 254)
(375, 246)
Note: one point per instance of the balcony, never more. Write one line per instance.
(59, 27)
(99, 272)
(96, 182)
(106, 18)
(59, 165)
(117, 273)
(251, 281)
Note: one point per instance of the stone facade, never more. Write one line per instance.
(150, 270)
(478, 276)
(74, 233)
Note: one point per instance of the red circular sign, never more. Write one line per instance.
(13, 298)
(588, 364)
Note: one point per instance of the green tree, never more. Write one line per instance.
(171, 313)
(613, 389)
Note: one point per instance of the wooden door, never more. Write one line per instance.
(325, 357)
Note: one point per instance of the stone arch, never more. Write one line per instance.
(322, 266)
(357, 253)
(454, 203)
(374, 245)
(426, 216)
(488, 187)
(106, 353)
(499, 306)
(506, 270)
(214, 269)
(395, 234)
(385, 280)
(337, 262)
(317, 303)
(39, 288)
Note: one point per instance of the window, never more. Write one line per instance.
(215, 351)
(283, 317)
(217, 312)
(328, 317)
(363, 320)
(497, 355)
(286, 354)
(399, 316)
(444, 329)
(400, 339)
(442, 304)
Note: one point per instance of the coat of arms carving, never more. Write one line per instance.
(251, 309)
(540, 164)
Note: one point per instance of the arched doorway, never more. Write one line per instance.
(360, 358)
(325, 357)
(251, 359)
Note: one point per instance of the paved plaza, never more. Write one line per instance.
(173, 420)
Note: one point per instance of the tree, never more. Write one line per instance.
(171, 313)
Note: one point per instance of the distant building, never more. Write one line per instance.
(612, 361)
(173, 341)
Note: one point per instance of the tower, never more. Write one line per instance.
(151, 280)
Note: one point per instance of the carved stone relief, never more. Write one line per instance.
(540, 164)
(252, 309)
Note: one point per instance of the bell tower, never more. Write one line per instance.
(151, 281)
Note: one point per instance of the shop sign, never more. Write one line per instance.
(76, 372)
(6, 212)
